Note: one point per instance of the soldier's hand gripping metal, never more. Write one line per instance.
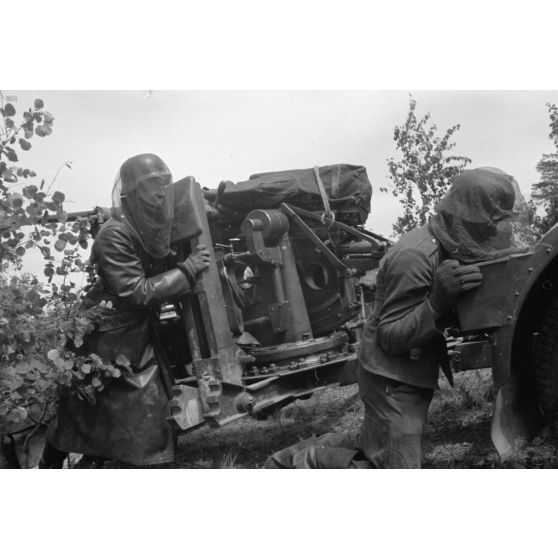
(196, 262)
(451, 281)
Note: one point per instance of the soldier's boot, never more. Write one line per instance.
(52, 458)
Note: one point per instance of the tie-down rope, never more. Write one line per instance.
(328, 217)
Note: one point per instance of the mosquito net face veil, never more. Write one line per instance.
(142, 194)
(473, 221)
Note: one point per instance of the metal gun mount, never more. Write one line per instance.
(273, 319)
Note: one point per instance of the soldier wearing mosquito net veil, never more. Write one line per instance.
(419, 281)
(127, 421)
(403, 348)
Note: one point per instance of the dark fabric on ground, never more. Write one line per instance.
(335, 450)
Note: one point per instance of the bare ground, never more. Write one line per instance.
(457, 434)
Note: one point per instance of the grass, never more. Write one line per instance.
(227, 461)
(457, 434)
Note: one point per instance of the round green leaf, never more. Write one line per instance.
(58, 198)
(59, 245)
(122, 360)
(53, 354)
(18, 414)
(9, 109)
(16, 200)
(9, 176)
(24, 144)
(30, 191)
(11, 156)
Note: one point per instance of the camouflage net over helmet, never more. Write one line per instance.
(476, 220)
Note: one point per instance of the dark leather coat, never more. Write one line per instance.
(128, 422)
(401, 340)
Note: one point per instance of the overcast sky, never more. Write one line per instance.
(230, 135)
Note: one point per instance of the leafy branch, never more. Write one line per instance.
(425, 169)
(42, 327)
(545, 192)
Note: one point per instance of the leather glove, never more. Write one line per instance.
(197, 261)
(451, 281)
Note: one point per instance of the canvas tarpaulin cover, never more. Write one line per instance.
(344, 185)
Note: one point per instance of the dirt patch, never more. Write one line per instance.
(247, 443)
(457, 434)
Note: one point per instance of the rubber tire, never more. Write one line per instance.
(546, 360)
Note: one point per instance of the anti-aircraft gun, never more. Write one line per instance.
(277, 314)
(289, 314)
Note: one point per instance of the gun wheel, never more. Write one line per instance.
(546, 360)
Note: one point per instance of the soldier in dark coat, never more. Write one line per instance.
(402, 348)
(128, 422)
(419, 281)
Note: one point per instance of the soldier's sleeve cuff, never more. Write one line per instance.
(189, 275)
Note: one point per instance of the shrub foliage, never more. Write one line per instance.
(42, 326)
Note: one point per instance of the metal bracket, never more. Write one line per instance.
(207, 373)
(186, 407)
(320, 246)
(379, 242)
